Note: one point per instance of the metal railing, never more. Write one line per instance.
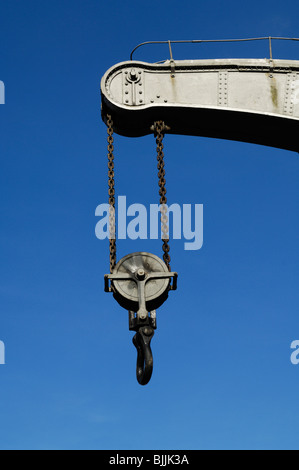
(199, 41)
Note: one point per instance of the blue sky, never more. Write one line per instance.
(222, 377)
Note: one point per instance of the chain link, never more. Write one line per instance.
(159, 130)
(111, 193)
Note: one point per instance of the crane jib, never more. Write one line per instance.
(248, 100)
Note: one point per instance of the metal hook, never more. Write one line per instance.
(144, 367)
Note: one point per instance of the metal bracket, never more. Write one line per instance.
(141, 280)
(135, 323)
(172, 62)
(133, 87)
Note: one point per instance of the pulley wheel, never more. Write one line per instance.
(126, 291)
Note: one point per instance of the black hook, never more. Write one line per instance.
(142, 341)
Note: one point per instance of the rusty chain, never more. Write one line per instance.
(111, 193)
(159, 128)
